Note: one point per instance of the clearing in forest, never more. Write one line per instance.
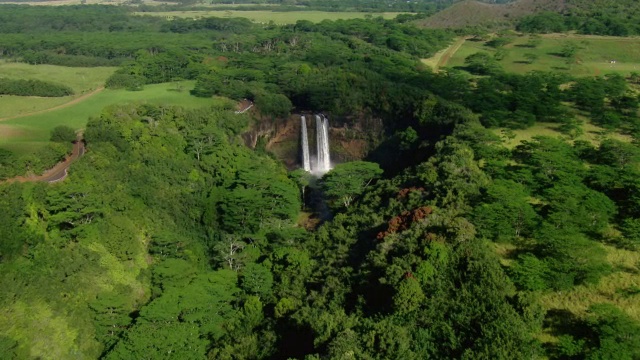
(25, 134)
(82, 80)
(594, 55)
(591, 133)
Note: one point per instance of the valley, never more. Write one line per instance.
(320, 180)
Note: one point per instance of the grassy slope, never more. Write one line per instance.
(592, 134)
(81, 80)
(593, 57)
(288, 17)
(33, 131)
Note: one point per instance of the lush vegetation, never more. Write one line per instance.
(27, 139)
(277, 17)
(80, 80)
(171, 238)
(33, 88)
(600, 17)
(321, 5)
(588, 55)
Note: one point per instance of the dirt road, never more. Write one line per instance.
(441, 58)
(62, 106)
(449, 53)
(58, 172)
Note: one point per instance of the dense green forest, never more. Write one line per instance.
(600, 17)
(171, 239)
(33, 88)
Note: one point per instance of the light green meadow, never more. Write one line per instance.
(27, 133)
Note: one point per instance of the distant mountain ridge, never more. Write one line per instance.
(472, 12)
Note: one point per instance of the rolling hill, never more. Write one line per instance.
(471, 13)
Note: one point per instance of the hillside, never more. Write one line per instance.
(470, 13)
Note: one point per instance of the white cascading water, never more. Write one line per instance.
(323, 160)
(306, 163)
(327, 155)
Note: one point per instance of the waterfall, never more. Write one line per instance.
(323, 160)
(325, 146)
(306, 163)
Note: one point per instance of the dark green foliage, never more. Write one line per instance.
(7, 164)
(499, 42)
(606, 333)
(257, 280)
(518, 101)
(506, 214)
(63, 134)
(15, 240)
(551, 161)
(275, 105)
(543, 23)
(111, 314)
(235, 25)
(571, 258)
(17, 19)
(127, 81)
(347, 181)
(587, 17)
(481, 63)
(33, 88)
(631, 231)
(530, 273)
(616, 335)
(8, 347)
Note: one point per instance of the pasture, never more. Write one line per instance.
(278, 17)
(593, 57)
(81, 80)
(24, 134)
(591, 133)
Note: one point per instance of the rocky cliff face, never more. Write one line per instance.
(350, 138)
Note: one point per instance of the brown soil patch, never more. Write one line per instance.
(356, 149)
(449, 53)
(9, 131)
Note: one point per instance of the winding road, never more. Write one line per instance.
(59, 171)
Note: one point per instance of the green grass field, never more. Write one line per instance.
(591, 133)
(81, 80)
(593, 56)
(278, 17)
(25, 134)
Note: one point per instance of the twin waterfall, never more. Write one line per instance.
(306, 162)
(323, 158)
